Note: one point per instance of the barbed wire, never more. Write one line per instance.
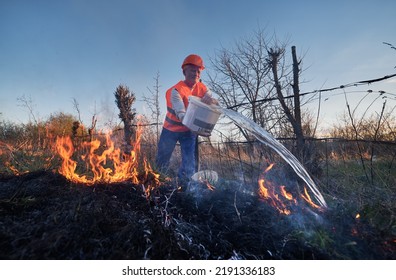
(371, 81)
(321, 139)
(381, 92)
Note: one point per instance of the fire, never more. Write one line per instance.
(209, 186)
(105, 163)
(206, 177)
(287, 195)
(308, 199)
(268, 191)
(278, 196)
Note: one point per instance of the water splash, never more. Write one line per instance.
(267, 139)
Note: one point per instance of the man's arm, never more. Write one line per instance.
(178, 104)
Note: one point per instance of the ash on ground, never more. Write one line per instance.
(43, 216)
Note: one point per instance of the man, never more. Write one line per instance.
(173, 130)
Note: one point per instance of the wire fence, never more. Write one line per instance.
(330, 159)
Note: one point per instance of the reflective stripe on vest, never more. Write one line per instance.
(172, 122)
(170, 110)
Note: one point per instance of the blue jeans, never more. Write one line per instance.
(166, 145)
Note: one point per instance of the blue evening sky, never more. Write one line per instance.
(52, 51)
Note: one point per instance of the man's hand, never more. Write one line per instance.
(181, 116)
(208, 99)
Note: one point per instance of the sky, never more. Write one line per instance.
(53, 52)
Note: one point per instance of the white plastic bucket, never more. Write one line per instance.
(210, 176)
(200, 118)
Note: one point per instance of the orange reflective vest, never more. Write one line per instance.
(172, 123)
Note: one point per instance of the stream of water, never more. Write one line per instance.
(267, 139)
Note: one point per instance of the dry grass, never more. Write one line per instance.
(350, 186)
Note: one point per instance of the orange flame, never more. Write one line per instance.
(106, 163)
(210, 186)
(278, 196)
(308, 199)
(268, 191)
(285, 194)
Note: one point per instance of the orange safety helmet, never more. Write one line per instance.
(195, 60)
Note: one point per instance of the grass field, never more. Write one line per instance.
(359, 223)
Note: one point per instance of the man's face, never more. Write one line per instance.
(192, 73)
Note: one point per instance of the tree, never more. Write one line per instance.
(256, 79)
(154, 105)
(376, 127)
(60, 124)
(292, 111)
(124, 100)
(241, 80)
(27, 103)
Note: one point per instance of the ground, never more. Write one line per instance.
(43, 216)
